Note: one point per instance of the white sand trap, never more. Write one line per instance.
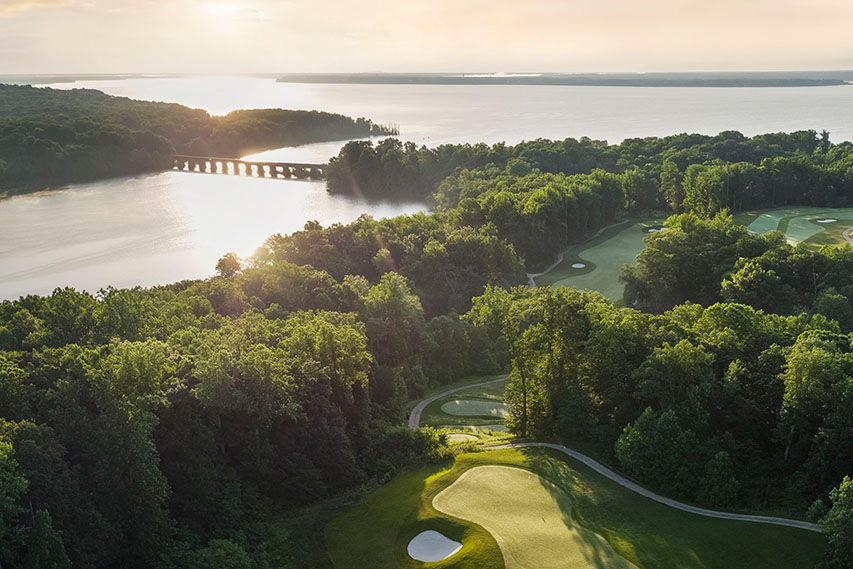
(655, 230)
(430, 546)
(578, 266)
(460, 438)
(475, 408)
(826, 220)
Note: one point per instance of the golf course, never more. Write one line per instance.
(544, 506)
(477, 407)
(597, 263)
(814, 227)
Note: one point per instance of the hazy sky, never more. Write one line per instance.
(197, 36)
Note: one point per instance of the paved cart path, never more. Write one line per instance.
(415, 419)
(415, 416)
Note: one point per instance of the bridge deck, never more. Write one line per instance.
(257, 168)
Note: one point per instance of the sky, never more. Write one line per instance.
(280, 36)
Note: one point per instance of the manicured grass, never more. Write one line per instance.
(478, 407)
(646, 533)
(458, 383)
(375, 534)
(832, 234)
(799, 224)
(604, 257)
(530, 518)
(745, 217)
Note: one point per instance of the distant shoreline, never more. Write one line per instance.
(675, 79)
(604, 80)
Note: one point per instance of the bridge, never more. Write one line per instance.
(236, 167)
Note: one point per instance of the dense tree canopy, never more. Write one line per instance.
(720, 405)
(161, 427)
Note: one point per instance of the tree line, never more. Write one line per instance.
(545, 195)
(52, 137)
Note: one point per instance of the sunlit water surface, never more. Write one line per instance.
(172, 226)
(155, 229)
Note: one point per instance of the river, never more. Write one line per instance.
(171, 226)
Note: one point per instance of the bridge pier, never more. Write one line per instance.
(236, 167)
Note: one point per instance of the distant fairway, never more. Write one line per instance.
(800, 224)
(476, 408)
(603, 257)
(606, 523)
(530, 518)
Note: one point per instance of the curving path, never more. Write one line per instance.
(415, 419)
(559, 259)
(531, 276)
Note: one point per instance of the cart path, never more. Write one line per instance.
(559, 259)
(415, 416)
(415, 419)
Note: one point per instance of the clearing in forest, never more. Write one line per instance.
(477, 409)
(810, 225)
(609, 525)
(602, 258)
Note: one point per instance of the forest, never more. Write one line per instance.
(51, 137)
(219, 421)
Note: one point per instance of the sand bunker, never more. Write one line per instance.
(430, 546)
(578, 266)
(656, 229)
(475, 408)
(460, 438)
(828, 220)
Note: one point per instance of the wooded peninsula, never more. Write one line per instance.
(50, 137)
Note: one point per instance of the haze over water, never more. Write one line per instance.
(172, 226)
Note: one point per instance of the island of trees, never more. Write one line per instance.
(222, 421)
(52, 137)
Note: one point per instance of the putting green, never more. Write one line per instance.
(475, 408)
(529, 517)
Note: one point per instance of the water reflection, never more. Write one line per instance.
(155, 229)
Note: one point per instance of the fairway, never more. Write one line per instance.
(800, 224)
(625, 527)
(603, 257)
(529, 517)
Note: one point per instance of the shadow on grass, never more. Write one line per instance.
(653, 535)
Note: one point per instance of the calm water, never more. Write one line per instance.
(171, 226)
